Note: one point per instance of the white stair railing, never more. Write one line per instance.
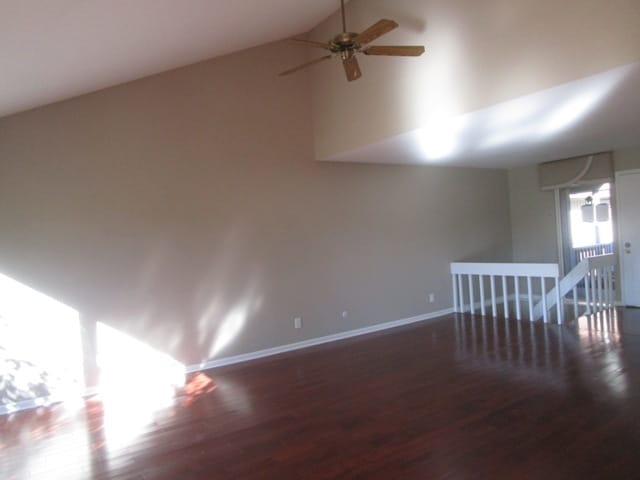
(597, 274)
(533, 278)
(469, 279)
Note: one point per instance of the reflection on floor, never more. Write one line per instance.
(90, 437)
(460, 397)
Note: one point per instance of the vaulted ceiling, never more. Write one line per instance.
(53, 50)
(503, 82)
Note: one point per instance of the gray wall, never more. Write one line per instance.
(186, 209)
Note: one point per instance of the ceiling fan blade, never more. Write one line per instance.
(351, 68)
(305, 65)
(395, 51)
(309, 43)
(376, 30)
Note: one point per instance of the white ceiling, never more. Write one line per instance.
(52, 50)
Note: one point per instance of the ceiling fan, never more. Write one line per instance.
(347, 44)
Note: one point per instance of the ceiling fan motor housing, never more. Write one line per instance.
(344, 41)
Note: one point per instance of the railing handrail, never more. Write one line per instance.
(594, 245)
(599, 261)
(548, 270)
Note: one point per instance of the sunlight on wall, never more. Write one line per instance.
(440, 138)
(448, 134)
(229, 329)
(572, 110)
(436, 99)
(136, 381)
(548, 113)
(37, 330)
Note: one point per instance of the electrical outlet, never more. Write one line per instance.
(432, 297)
(297, 322)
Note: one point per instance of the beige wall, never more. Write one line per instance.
(533, 217)
(627, 159)
(186, 207)
(479, 53)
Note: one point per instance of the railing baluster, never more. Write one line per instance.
(605, 288)
(493, 296)
(482, 306)
(517, 288)
(594, 300)
(587, 295)
(559, 301)
(505, 297)
(472, 307)
(612, 299)
(599, 286)
(530, 299)
(544, 300)
(454, 289)
(575, 302)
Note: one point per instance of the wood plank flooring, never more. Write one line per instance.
(456, 398)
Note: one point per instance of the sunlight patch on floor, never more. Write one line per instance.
(136, 381)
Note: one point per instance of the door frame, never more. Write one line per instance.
(563, 227)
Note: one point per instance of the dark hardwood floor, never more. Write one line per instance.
(455, 398)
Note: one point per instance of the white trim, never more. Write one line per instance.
(27, 404)
(559, 232)
(620, 246)
(632, 171)
(245, 357)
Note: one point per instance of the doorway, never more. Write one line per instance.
(587, 222)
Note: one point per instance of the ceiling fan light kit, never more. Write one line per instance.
(347, 44)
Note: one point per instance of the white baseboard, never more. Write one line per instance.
(28, 404)
(314, 341)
